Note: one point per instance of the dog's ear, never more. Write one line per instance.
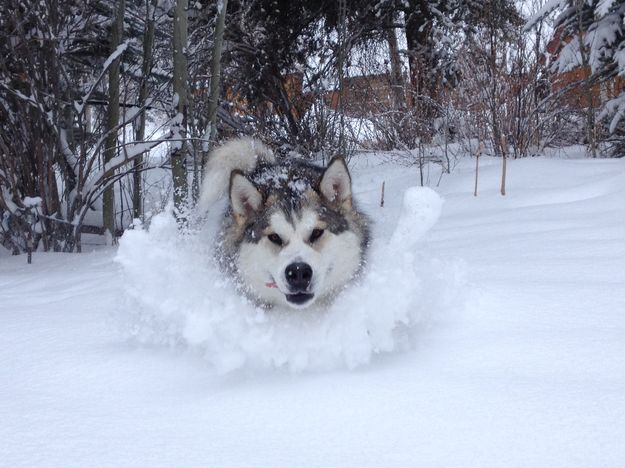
(336, 184)
(245, 198)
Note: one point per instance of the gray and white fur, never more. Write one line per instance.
(292, 234)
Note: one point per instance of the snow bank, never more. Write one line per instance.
(175, 296)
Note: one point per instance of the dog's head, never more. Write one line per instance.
(301, 239)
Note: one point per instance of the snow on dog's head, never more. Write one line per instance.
(175, 296)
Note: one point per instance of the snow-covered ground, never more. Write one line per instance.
(515, 355)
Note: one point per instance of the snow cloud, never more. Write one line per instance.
(175, 296)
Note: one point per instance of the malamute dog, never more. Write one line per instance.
(292, 234)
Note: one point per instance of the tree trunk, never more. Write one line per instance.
(585, 59)
(342, 5)
(146, 67)
(112, 121)
(423, 92)
(417, 43)
(178, 157)
(494, 98)
(397, 81)
(213, 99)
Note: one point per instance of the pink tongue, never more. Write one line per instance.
(271, 285)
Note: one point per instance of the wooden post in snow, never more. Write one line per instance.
(480, 148)
(504, 153)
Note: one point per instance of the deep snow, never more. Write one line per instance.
(175, 295)
(521, 363)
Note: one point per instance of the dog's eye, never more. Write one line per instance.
(275, 238)
(316, 234)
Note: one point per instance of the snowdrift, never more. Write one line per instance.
(174, 295)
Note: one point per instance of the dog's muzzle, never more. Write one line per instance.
(299, 298)
(298, 277)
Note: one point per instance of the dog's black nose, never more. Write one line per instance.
(298, 276)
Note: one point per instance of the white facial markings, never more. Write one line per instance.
(344, 249)
(255, 267)
(278, 224)
(334, 258)
(299, 247)
(308, 222)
